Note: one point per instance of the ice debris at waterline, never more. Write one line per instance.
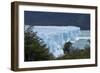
(56, 36)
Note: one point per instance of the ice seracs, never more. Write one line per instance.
(56, 36)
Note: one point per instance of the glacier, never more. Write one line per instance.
(56, 36)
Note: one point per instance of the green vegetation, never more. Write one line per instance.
(67, 47)
(75, 53)
(34, 49)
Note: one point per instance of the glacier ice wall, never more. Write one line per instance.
(56, 36)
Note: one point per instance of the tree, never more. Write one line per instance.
(67, 47)
(34, 49)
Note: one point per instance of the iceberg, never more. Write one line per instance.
(56, 36)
